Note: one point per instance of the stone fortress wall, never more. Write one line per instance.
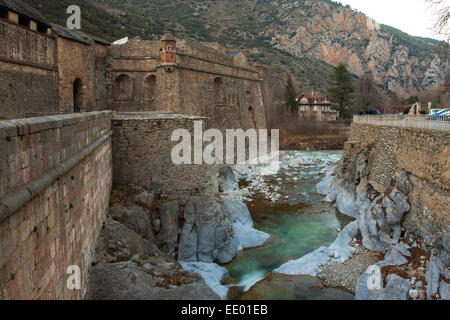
(195, 79)
(142, 156)
(55, 184)
(28, 71)
(56, 171)
(424, 155)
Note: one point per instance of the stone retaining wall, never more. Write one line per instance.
(424, 155)
(55, 183)
(142, 150)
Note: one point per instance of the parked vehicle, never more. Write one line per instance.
(373, 112)
(443, 115)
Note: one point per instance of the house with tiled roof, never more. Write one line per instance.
(316, 106)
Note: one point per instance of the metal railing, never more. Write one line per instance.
(429, 122)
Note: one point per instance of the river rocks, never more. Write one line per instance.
(244, 235)
(161, 279)
(226, 178)
(248, 237)
(134, 217)
(433, 273)
(167, 237)
(119, 243)
(397, 288)
(396, 256)
(414, 294)
(213, 274)
(444, 290)
(206, 234)
(238, 212)
(307, 265)
(323, 187)
(145, 199)
(346, 203)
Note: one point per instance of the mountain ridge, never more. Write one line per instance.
(305, 38)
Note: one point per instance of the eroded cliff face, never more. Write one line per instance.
(336, 34)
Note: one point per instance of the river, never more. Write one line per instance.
(299, 222)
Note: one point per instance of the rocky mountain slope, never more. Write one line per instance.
(303, 37)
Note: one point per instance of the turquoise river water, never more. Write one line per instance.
(299, 223)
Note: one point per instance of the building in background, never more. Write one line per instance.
(316, 106)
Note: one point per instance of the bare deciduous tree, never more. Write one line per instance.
(442, 9)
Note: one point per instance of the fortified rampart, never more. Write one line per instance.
(188, 77)
(55, 184)
(142, 155)
(28, 71)
(389, 148)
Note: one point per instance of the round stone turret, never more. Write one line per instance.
(168, 48)
(259, 66)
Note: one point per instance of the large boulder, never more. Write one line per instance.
(206, 234)
(159, 280)
(226, 178)
(213, 274)
(397, 288)
(238, 212)
(307, 265)
(244, 235)
(310, 264)
(433, 273)
(167, 237)
(134, 217)
(119, 243)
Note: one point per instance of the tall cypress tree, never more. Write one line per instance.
(341, 88)
(290, 96)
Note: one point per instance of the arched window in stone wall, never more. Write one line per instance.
(251, 118)
(149, 87)
(219, 93)
(123, 87)
(77, 95)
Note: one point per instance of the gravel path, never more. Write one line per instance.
(346, 275)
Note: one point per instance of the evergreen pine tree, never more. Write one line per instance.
(341, 88)
(290, 96)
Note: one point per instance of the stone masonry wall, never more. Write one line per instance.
(55, 183)
(76, 60)
(187, 86)
(142, 149)
(28, 72)
(424, 155)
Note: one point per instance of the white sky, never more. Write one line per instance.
(414, 17)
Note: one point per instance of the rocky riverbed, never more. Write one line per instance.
(291, 244)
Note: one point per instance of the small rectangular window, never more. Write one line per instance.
(42, 28)
(24, 21)
(3, 13)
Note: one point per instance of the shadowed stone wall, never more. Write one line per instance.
(28, 72)
(142, 150)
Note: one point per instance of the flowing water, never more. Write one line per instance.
(299, 223)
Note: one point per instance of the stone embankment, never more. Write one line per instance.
(400, 203)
